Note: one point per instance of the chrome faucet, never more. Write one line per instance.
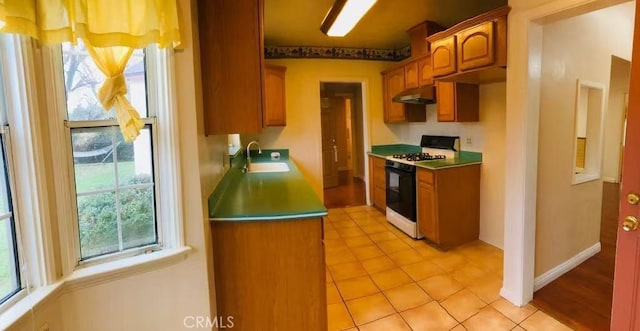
(247, 166)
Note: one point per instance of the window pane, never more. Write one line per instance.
(98, 224)
(138, 225)
(135, 163)
(9, 282)
(5, 194)
(9, 271)
(3, 100)
(83, 79)
(93, 157)
(115, 190)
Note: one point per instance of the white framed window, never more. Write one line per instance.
(22, 170)
(114, 194)
(41, 168)
(11, 279)
(110, 205)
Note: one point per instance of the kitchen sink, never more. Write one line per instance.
(268, 167)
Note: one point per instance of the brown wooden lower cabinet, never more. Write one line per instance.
(270, 275)
(378, 182)
(448, 205)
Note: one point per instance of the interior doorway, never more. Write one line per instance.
(578, 174)
(342, 144)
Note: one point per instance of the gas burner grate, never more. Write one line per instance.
(419, 157)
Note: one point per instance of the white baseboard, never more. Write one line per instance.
(488, 240)
(609, 179)
(551, 275)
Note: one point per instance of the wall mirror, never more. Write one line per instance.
(588, 131)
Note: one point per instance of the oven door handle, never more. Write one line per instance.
(396, 170)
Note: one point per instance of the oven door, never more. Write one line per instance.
(401, 191)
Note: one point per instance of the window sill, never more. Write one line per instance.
(105, 272)
(585, 177)
(91, 276)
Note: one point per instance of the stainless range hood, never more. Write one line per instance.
(421, 96)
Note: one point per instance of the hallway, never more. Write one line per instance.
(350, 192)
(581, 298)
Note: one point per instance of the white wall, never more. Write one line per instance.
(614, 118)
(568, 216)
(487, 137)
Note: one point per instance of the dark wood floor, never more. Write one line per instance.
(582, 297)
(350, 192)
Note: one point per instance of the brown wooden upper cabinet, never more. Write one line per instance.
(408, 75)
(476, 44)
(275, 111)
(476, 47)
(425, 71)
(411, 79)
(412, 73)
(443, 56)
(232, 60)
(393, 83)
(457, 102)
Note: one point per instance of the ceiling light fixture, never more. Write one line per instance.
(343, 16)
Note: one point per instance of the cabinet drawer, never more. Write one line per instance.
(476, 47)
(426, 176)
(379, 163)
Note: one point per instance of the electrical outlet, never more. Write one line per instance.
(468, 141)
(44, 327)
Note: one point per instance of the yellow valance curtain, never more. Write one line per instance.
(110, 29)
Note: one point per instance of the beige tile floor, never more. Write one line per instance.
(380, 279)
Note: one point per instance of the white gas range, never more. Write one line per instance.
(401, 180)
(427, 154)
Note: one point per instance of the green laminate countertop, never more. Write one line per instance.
(388, 150)
(264, 196)
(464, 158)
